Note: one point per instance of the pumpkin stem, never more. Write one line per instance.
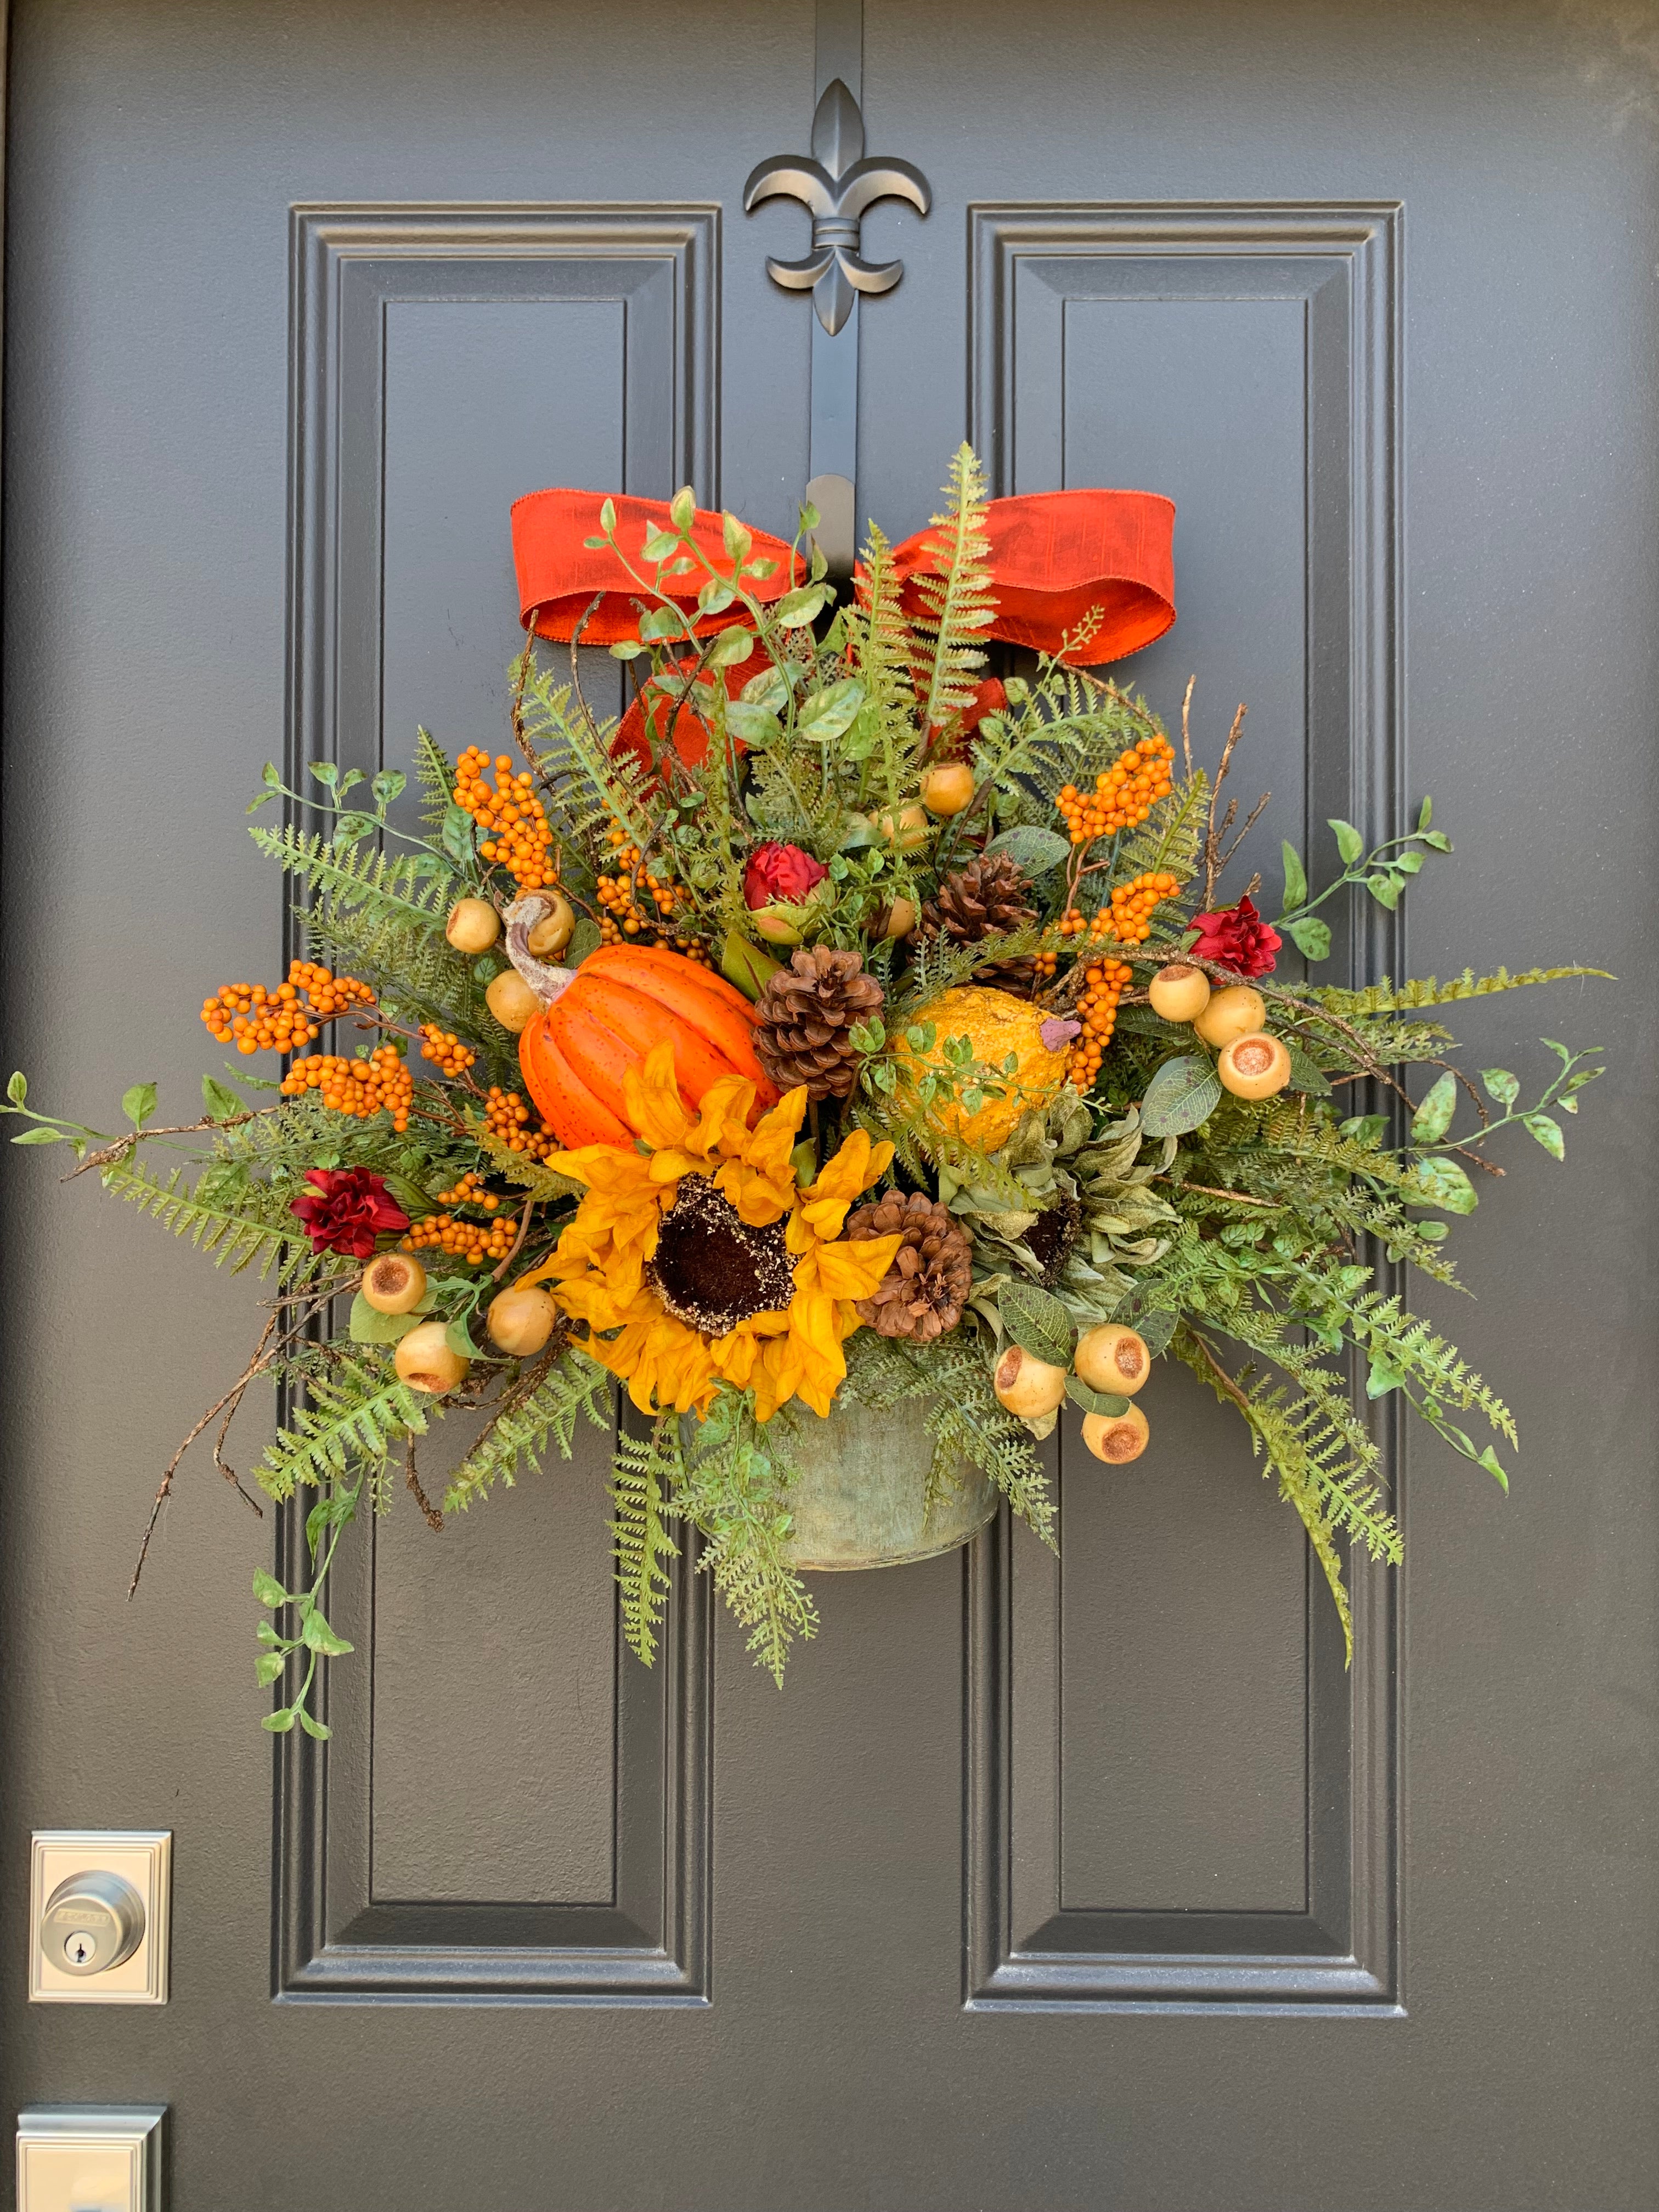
(521, 918)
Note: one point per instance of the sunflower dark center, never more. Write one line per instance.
(1050, 1238)
(712, 1269)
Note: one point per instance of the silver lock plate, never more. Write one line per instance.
(100, 1903)
(74, 2158)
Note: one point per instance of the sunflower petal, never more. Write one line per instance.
(652, 1097)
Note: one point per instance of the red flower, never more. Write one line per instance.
(1237, 937)
(781, 872)
(346, 1209)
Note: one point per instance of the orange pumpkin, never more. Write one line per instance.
(624, 999)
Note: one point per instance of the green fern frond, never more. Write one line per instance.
(352, 1418)
(1386, 997)
(545, 1410)
(1416, 1352)
(737, 1493)
(393, 887)
(544, 1185)
(646, 1475)
(435, 775)
(234, 1236)
(958, 605)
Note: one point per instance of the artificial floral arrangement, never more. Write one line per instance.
(846, 1030)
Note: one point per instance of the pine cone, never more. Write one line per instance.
(925, 1289)
(987, 898)
(803, 1016)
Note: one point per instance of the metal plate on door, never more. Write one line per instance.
(100, 1905)
(87, 2157)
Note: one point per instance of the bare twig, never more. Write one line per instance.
(263, 1355)
(107, 1155)
(434, 1520)
(1209, 1191)
(517, 1242)
(1186, 724)
(1212, 838)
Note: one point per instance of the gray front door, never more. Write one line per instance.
(1036, 1887)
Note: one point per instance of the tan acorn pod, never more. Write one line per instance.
(512, 1001)
(521, 1320)
(1112, 1357)
(393, 1282)
(548, 938)
(897, 918)
(1232, 1013)
(1179, 991)
(1117, 1437)
(947, 789)
(1254, 1067)
(1027, 1386)
(473, 925)
(425, 1361)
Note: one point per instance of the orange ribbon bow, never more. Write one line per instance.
(1055, 557)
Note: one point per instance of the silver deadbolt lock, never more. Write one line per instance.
(93, 1921)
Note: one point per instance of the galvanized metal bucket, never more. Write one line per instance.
(858, 1491)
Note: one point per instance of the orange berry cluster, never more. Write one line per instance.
(446, 1048)
(1105, 985)
(506, 1116)
(471, 1241)
(254, 1019)
(1046, 962)
(619, 895)
(358, 1087)
(1124, 795)
(1132, 905)
(521, 841)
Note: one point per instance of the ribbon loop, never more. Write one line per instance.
(1056, 557)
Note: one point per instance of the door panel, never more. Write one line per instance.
(1040, 1886)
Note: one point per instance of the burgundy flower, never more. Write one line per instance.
(346, 1209)
(1237, 937)
(781, 872)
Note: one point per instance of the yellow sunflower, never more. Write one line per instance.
(702, 1261)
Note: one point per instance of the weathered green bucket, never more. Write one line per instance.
(857, 1495)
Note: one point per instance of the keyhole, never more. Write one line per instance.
(80, 1949)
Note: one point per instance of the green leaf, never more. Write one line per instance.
(608, 517)
(1548, 1133)
(18, 1089)
(1441, 1183)
(1436, 839)
(459, 834)
(280, 1723)
(1364, 1128)
(756, 726)
(42, 1137)
(220, 1100)
(825, 714)
(1434, 1116)
(458, 1338)
(1034, 850)
(1296, 879)
(1038, 1323)
(662, 622)
(389, 786)
(737, 537)
(367, 1326)
(745, 965)
(1384, 889)
(325, 773)
(714, 595)
(796, 609)
(769, 689)
(1156, 1329)
(1306, 1075)
(1407, 863)
(1094, 1401)
(1380, 1379)
(1425, 814)
(1502, 1085)
(584, 938)
(268, 1667)
(138, 1103)
(1181, 1096)
(317, 1636)
(313, 1727)
(1311, 936)
(1489, 1460)
(733, 646)
(267, 1589)
(683, 508)
(1349, 843)
(657, 546)
(269, 777)
(627, 649)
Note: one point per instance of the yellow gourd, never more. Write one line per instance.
(995, 1025)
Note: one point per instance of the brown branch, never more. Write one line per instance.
(1209, 1190)
(1186, 725)
(261, 1358)
(517, 1242)
(434, 1520)
(107, 1155)
(1212, 838)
